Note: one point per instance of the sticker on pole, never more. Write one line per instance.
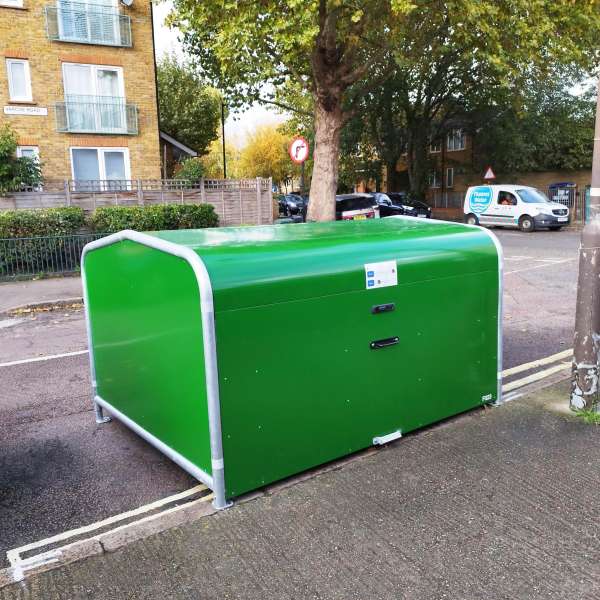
(381, 274)
(299, 149)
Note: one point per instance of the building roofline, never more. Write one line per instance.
(178, 144)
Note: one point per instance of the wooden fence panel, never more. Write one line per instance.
(235, 201)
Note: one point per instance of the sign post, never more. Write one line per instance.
(299, 153)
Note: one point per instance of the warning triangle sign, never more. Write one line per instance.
(489, 174)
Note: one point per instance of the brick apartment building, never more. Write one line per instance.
(77, 85)
(453, 171)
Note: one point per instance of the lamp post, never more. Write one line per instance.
(586, 343)
(223, 138)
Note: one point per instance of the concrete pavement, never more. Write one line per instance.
(496, 503)
(21, 293)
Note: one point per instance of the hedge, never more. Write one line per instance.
(41, 222)
(109, 219)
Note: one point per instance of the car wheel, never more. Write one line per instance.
(471, 219)
(556, 228)
(526, 224)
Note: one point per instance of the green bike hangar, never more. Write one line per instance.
(250, 354)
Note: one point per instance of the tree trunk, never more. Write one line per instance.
(393, 183)
(418, 165)
(328, 126)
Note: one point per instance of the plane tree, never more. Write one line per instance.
(341, 50)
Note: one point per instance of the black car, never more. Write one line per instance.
(387, 207)
(291, 204)
(351, 207)
(412, 208)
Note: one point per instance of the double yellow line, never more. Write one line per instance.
(563, 358)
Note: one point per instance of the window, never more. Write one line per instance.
(94, 22)
(456, 140)
(95, 98)
(12, 3)
(435, 147)
(100, 168)
(450, 177)
(434, 179)
(19, 81)
(28, 152)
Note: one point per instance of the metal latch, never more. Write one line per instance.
(381, 308)
(384, 439)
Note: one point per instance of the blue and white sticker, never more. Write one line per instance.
(381, 274)
(480, 199)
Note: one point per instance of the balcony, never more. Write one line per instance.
(87, 24)
(96, 114)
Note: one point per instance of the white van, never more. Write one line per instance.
(513, 206)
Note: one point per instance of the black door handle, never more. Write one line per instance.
(377, 344)
(380, 308)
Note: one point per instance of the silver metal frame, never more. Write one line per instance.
(500, 254)
(217, 481)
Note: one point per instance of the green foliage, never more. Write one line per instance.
(190, 169)
(44, 244)
(591, 417)
(549, 129)
(189, 109)
(109, 219)
(15, 173)
(266, 155)
(41, 222)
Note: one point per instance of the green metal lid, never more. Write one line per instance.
(254, 266)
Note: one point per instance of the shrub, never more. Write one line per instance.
(15, 173)
(190, 169)
(41, 222)
(48, 248)
(109, 219)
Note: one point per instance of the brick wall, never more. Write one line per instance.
(23, 35)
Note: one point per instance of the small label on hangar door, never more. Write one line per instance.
(381, 274)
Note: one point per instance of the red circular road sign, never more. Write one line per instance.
(299, 149)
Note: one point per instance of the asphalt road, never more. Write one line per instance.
(59, 470)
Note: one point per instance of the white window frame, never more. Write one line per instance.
(101, 163)
(88, 3)
(36, 151)
(28, 97)
(94, 70)
(435, 147)
(11, 3)
(451, 139)
(434, 182)
(450, 177)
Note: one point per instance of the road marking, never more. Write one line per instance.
(26, 361)
(20, 565)
(538, 363)
(552, 264)
(535, 377)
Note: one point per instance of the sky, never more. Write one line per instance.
(237, 126)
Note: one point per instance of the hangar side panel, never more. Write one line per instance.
(144, 307)
(301, 386)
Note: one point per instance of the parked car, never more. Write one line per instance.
(352, 207)
(412, 208)
(387, 207)
(290, 204)
(513, 206)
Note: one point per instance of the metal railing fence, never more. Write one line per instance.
(52, 255)
(84, 23)
(96, 114)
(446, 199)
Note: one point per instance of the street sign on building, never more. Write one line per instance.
(489, 174)
(299, 149)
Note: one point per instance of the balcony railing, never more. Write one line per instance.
(87, 24)
(96, 114)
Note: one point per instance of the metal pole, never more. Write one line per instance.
(302, 179)
(223, 137)
(586, 343)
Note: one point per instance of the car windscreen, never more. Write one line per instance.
(532, 196)
(354, 203)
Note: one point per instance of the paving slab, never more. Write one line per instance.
(495, 503)
(22, 293)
